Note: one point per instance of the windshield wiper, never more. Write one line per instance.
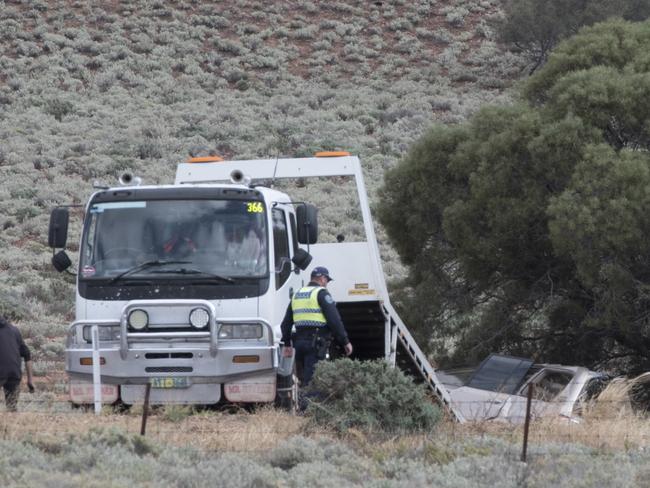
(191, 271)
(143, 266)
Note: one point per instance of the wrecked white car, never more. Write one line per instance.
(497, 389)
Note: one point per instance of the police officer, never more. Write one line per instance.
(12, 349)
(314, 314)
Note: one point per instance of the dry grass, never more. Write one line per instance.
(609, 422)
(267, 429)
(622, 433)
(208, 430)
(614, 401)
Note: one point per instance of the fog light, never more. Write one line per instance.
(138, 319)
(106, 334)
(199, 318)
(240, 331)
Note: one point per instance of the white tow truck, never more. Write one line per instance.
(188, 283)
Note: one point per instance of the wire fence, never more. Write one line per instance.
(607, 421)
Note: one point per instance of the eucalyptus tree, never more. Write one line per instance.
(525, 229)
(535, 27)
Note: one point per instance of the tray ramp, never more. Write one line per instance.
(365, 323)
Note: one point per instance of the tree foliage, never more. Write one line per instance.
(525, 228)
(537, 26)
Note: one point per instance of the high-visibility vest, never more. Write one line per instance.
(306, 310)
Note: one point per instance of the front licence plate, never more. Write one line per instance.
(171, 382)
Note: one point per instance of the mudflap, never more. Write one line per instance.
(286, 396)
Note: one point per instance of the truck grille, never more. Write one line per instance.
(168, 355)
(169, 369)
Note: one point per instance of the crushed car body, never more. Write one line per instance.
(497, 389)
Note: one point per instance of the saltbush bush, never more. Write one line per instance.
(112, 457)
(370, 395)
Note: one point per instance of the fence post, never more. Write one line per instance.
(145, 409)
(529, 401)
(97, 382)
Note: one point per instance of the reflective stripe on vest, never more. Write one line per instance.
(306, 311)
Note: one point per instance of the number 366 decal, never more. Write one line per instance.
(254, 207)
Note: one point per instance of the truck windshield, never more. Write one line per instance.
(170, 239)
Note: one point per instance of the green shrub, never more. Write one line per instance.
(12, 305)
(301, 450)
(371, 395)
(111, 458)
(177, 413)
(113, 437)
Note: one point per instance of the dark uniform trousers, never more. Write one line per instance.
(310, 347)
(11, 389)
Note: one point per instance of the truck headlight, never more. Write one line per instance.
(106, 334)
(138, 319)
(240, 331)
(199, 318)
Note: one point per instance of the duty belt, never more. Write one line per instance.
(310, 331)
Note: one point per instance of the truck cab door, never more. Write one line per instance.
(285, 280)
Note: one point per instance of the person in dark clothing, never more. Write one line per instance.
(316, 319)
(12, 348)
(180, 244)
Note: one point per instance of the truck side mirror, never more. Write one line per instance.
(57, 234)
(307, 217)
(301, 259)
(61, 261)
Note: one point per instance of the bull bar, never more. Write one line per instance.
(212, 368)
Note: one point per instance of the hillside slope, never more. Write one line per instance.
(91, 89)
